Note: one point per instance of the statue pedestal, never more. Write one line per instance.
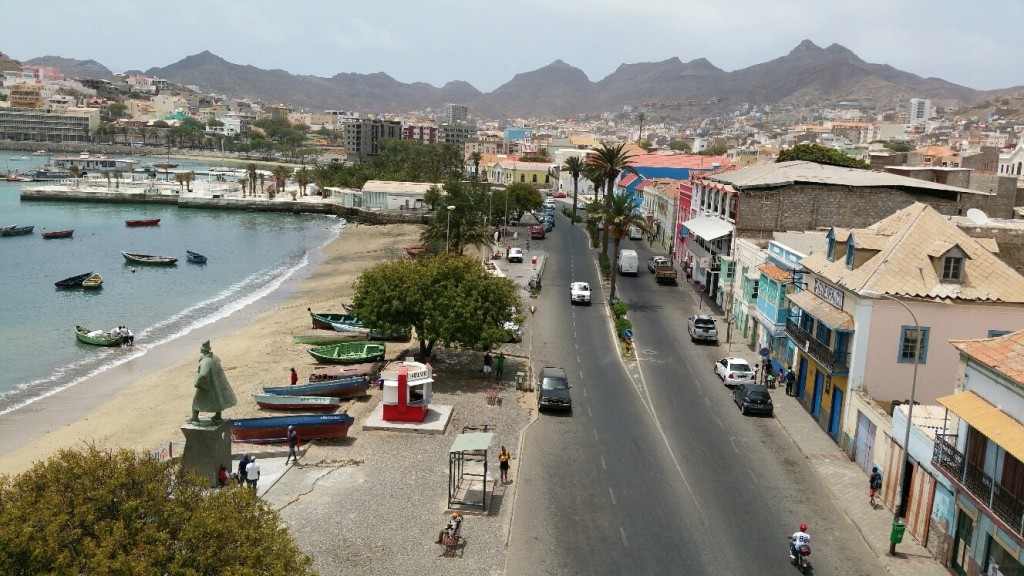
(207, 448)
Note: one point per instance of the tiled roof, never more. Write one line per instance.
(627, 178)
(990, 244)
(800, 171)
(1004, 354)
(903, 266)
(775, 273)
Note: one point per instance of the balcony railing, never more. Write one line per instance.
(1003, 503)
(833, 361)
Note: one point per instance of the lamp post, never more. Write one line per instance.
(448, 231)
(910, 412)
(505, 223)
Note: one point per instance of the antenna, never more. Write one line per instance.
(977, 216)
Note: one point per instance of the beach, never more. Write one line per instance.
(142, 404)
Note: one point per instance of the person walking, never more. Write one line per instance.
(252, 473)
(294, 377)
(790, 382)
(487, 364)
(499, 366)
(293, 445)
(242, 465)
(874, 485)
(503, 458)
(129, 338)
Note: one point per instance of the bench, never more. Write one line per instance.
(450, 543)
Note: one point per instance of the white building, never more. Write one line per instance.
(920, 111)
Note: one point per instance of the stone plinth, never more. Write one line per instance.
(207, 448)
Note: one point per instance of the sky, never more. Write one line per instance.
(974, 44)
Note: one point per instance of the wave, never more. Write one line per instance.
(222, 305)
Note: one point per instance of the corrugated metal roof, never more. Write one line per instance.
(995, 424)
(827, 313)
(388, 187)
(801, 171)
(468, 441)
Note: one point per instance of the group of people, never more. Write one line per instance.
(498, 367)
(127, 338)
(785, 375)
(248, 471)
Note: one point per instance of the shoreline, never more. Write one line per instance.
(141, 404)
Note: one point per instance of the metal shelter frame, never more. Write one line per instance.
(467, 463)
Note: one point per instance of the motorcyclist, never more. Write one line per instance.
(798, 539)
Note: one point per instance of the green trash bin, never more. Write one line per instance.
(896, 536)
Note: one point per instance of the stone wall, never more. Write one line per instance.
(1010, 240)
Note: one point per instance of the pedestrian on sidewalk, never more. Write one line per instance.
(252, 473)
(242, 465)
(503, 459)
(487, 364)
(499, 366)
(293, 445)
(790, 382)
(874, 484)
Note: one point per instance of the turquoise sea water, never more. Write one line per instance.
(250, 254)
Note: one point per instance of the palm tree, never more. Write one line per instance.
(612, 160)
(179, 177)
(106, 175)
(595, 176)
(250, 169)
(476, 157)
(190, 177)
(243, 182)
(303, 177)
(574, 166)
(117, 180)
(619, 214)
(640, 137)
(76, 171)
(281, 174)
(263, 181)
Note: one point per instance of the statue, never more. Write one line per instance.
(213, 393)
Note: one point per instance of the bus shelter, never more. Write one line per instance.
(467, 470)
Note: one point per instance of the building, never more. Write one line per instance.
(71, 125)
(363, 136)
(1011, 162)
(919, 111)
(425, 133)
(455, 114)
(984, 459)
(456, 134)
(27, 96)
(536, 174)
(386, 195)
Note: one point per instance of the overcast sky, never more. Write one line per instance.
(977, 44)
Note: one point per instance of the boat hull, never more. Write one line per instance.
(275, 402)
(16, 230)
(195, 257)
(74, 281)
(94, 281)
(149, 259)
(339, 371)
(141, 223)
(82, 333)
(322, 338)
(346, 387)
(274, 429)
(348, 353)
(58, 234)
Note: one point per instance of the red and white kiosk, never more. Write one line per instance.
(406, 391)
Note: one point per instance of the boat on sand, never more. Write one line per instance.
(348, 352)
(274, 429)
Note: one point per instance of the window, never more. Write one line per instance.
(823, 334)
(754, 291)
(952, 269)
(995, 333)
(850, 250)
(910, 337)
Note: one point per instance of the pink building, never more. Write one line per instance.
(423, 132)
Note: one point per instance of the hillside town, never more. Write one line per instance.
(903, 264)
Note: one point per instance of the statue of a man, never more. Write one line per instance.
(213, 393)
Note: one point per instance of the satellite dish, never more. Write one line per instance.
(977, 216)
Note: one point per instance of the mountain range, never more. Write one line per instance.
(806, 77)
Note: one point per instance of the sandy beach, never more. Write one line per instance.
(142, 404)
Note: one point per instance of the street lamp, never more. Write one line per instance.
(448, 231)
(910, 411)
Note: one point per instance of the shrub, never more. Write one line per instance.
(622, 324)
(619, 309)
(605, 265)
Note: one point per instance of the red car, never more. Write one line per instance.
(559, 195)
(536, 232)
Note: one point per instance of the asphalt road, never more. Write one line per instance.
(656, 471)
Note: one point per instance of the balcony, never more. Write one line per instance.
(1002, 503)
(829, 359)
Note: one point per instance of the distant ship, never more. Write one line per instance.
(43, 174)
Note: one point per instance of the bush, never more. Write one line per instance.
(619, 309)
(622, 324)
(605, 265)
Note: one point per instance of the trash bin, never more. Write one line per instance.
(521, 381)
(898, 528)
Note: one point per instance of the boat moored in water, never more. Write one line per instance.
(58, 234)
(72, 282)
(148, 258)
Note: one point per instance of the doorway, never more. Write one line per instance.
(819, 385)
(836, 412)
(962, 542)
(802, 381)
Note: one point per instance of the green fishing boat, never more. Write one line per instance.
(96, 337)
(323, 337)
(348, 352)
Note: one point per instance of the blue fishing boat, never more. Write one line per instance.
(195, 257)
(274, 429)
(346, 387)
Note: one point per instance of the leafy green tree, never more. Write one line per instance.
(465, 225)
(433, 196)
(897, 146)
(116, 110)
(821, 155)
(475, 158)
(619, 214)
(281, 175)
(303, 177)
(716, 150)
(522, 198)
(99, 511)
(449, 299)
(541, 155)
(613, 160)
(680, 146)
(574, 166)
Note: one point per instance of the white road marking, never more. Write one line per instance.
(589, 413)
(612, 494)
(603, 464)
(737, 450)
(595, 435)
(623, 533)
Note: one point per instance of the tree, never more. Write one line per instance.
(179, 177)
(619, 214)
(679, 146)
(596, 178)
(541, 155)
(116, 110)
(449, 299)
(281, 175)
(465, 225)
(716, 150)
(574, 166)
(263, 180)
(897, 146)
(105, 174)
(303, 177)
(476, 157)
(820, 155)
(99, 511)
(612, 160)
(641, 115)
(250, 169)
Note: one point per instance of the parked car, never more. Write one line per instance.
(702, 327)
(559, 195)
(628, 262)
(734, 371)
(549, 225)
(537, 231)
(753, 399)
(549, 203)
(579, 293)
(554, 390)
(654, 261)
(515, 255)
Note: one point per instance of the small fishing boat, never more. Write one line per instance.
(330, 320)
(96, 337)
(58, 234)
(141, 223)
(17, 158)
(348, 352)
(164, 165)
(277, 402)
(345, 387)
(73, 282)
(195, 257)
(338, 372)
(415, 251)
(16, 230)
(322, 337)
(93, 281)
(274, 429)
(148, 258)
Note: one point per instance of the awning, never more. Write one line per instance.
(995, 424)
(708, 227)
(827, 313)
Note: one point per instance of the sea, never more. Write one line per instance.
(250, 255)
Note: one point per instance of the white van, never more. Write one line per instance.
(629, 262)
(635, 233)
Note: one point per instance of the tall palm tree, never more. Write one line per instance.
(612, 160)
(190, 177)
(263, 180)
(179, 177)
(250, 169)
(640, 136)
(303, 177)
(243, 182)
(281, 174)
(619, 214)
(574, 166)
(595, 176)
(106, 174)
(476, 157)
